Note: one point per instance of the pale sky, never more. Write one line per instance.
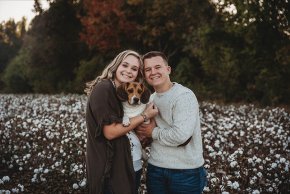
(16, 9)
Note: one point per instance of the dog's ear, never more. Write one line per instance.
(122, 93)
(146, 95)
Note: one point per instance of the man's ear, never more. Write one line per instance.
(146, 95)
(169, 69)
(122, 93)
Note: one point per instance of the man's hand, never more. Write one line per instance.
(151, 111)
(146, 129)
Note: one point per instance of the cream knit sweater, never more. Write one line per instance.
(178, 119)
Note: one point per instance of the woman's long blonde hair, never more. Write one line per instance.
(110, 70)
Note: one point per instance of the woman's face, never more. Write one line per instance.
(127, 70)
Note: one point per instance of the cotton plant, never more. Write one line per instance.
(43, 141)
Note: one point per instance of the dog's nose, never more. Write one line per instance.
(136, 100)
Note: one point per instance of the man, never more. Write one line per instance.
(176, 158)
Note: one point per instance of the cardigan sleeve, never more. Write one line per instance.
(104, 105)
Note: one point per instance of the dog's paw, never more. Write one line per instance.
(126, 124)
(126, 121)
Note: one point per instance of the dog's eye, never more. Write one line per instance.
(139, 91)
(130, 90)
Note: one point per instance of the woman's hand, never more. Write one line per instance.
(115, 130)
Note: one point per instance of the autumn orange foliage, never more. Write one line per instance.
(105, 23)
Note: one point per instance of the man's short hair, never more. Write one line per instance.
(154, 54)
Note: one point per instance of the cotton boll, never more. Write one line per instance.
(15, 190)
(21, 187)
(282, 160)
(259, 174)
(233, 164)
(270, 189)
(75, 186)
(46, 171)
(273, 165)
(252, 181)
(83, 183)
(235, 185)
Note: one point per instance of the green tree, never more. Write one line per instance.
(15, 75)
(88, 70)
(157, 25)
(54, 47)
(244, 12)
(239, 54)
(165, 25)
(11, 37)
(218, 53)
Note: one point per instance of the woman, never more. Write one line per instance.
(108, 157)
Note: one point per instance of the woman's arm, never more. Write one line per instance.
(115, 130)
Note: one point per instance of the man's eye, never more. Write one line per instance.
(130, 90)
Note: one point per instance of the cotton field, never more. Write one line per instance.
(43, 140)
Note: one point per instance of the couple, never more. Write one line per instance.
(176, 159)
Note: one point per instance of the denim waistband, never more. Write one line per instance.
(193, 169)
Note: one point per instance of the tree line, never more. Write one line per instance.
(231, 50)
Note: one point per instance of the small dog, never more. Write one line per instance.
(134, 97)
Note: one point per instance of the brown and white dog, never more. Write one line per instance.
(134, 97)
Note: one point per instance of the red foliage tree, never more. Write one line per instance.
(105, 24)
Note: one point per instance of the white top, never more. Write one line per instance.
(136, 148)
(177, 121)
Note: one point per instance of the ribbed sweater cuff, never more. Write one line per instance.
(155, 133)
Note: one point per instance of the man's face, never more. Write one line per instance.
(156, 72)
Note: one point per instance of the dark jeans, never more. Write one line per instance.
(138, 174)
(175, 181)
